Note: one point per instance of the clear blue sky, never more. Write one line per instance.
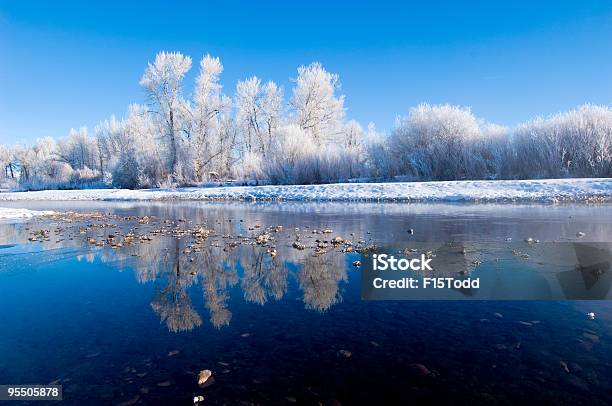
(70, 63)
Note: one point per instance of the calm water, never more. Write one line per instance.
(135, 323)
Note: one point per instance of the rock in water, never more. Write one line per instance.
(564, 366)
(130, 402)
(421, 369)
(344, 353)
(203, 376)
(299, 246)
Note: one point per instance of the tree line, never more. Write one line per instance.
(257, 136)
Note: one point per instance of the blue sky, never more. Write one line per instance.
(66, 64)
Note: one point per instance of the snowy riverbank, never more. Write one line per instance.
(548, 190)
(6, 213)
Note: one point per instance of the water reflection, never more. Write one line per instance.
(171, 302)
(180, 261)
(274, 322)
(185, 252)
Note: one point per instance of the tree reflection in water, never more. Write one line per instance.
(216, 270)
(180, 261)
(264, 275)
(172, 302)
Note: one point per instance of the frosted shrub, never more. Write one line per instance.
(250, 167)
(574, 143)
(379, 162)
(292, 159)
(85, 174)
(126, 173)
(441, 142)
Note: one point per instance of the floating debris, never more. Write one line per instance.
(591, 316)
(198, 399)
(580, 234)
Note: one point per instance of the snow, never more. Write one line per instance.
(10, 213)
(546, 190)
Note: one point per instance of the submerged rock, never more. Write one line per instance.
(203, 376)
(564, 365)
(420, 368)
(130, 402)
(344, 353)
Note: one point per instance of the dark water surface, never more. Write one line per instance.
(134, 322)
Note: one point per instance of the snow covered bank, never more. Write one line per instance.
(547, 190)
(6, 213)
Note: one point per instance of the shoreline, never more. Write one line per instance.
(587, 190)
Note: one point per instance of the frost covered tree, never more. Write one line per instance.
(317, 108)
(79, 150)
(163, 84)
(258, 113)
(180, 140)
(210, 137)
(6, 162)
(109, 136)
